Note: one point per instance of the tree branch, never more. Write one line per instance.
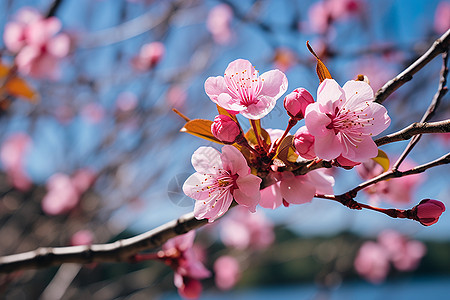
(442, 90)
(414, 130)
(121, 250)
(441, 45)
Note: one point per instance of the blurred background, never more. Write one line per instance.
(92, 152)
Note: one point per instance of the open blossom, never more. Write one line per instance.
(221, 177)
(242, 90)
(343, 121)
(372, 262)
(179, 254)
(38, 46)
(242, 229)
(290, 189)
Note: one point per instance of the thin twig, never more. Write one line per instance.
(54, 8)
(414, 129)
(442, 90)
(441, 45)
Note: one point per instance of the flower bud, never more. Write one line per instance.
(304, 143)
(428, 211)
(225, 129)
(296, 102)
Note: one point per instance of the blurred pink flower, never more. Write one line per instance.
(396, 190)
(12, 154)
(290, 189)
(319, 17)
(372, 262)
(83, 179)
(227, 272)
(126, 101)
(38, 46)
(62, 195)
(405, 254)
(176, 97)
(243, 91)
(343, 121)
(218, 23)
(149, 56)
(82, 237)
(179, 255)
(219, 179)
(93, 112)
(442, 17)
(242, 229)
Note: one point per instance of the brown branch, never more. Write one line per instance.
(414, 129)
(442, 90)
(441, 45)
(121, 250)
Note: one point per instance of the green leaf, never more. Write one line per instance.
(382, 159)
(200, 128)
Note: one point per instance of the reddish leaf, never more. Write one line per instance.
(321, 69)
(200, 128)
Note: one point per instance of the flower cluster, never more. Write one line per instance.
(35, 41)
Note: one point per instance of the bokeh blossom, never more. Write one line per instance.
(227, 272)
(343, 121)
(242, 90)
(220, 177)
(180, 256)
(241, 229)
(35, 40)
(149, 56)
(218, 23)
(12, 154)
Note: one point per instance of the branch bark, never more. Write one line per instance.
(414, 130)
(441, 45)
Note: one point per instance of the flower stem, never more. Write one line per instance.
(292, 122)
(258, 137)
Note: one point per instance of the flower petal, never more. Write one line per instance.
(271, 196)
(328, 95)
(365, 149)
(214, 207)
(316, 121)
(247, 201)
(192, 187)
(275, 84)
(249, 184)
(234, 161)
(321, 181)
(206, 160)
(357, 92)
(297, 190)
(214, 86)
(327, 146)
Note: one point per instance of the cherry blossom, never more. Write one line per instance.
(227, 272)
(242, 90)
(372, 262)
(225, 129)
(149, 56)
(304, 143)
(62, 195)
(290, 189)
(12, 155)
(218, 23)
(343, 121)
(178, 254)
(220, 177)
(442, 17)
(428, 211)
(38, 46)
(241, 229)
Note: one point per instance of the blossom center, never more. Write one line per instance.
(244, 86)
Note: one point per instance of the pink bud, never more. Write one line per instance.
(428, 211)
(296, 102)
(225, 129)
(304, 143)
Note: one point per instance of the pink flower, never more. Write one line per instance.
(243, 91)
(343, 121)
(149, 56)
(296, 102)
(442, 17)
(241, 229)
(396, 190)
(218, 23)
(38, 46)
(405, 254)
(219, 179)
(178, 253)
(428, 211)
(82, 237)
(304, 143)
(83, 179)
(225, 129)
(372, 262)
(12, 154)
(290, 189)
(62, 195)
(227, 272)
